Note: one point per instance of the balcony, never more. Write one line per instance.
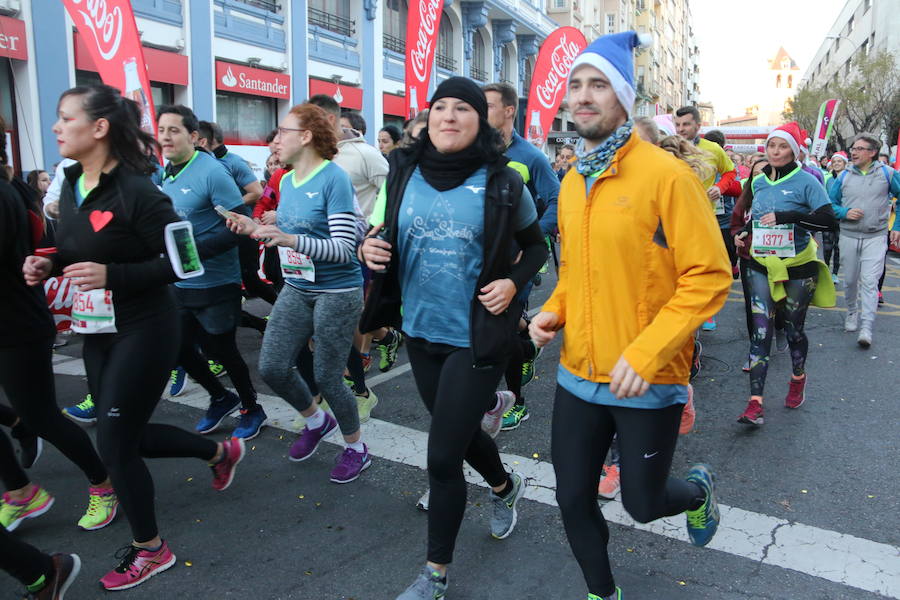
(340, 25)
(447, 62)
(393, 43)
(269, 5)
(163, 11)
(248, 23)
(477, 73)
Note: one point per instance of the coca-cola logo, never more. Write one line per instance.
(105, 24)
(60, 295)
(561, 59)
(429, 15)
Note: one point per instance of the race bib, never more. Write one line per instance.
(92, 312)
(719, 207)
(295, 265)
(773, 240)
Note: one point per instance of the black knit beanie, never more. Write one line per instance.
(463, 89)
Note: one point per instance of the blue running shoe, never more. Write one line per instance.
(703, 522)
(83, 412)
(178, 382)
(251, 422)
(217, 411)
(709, 325)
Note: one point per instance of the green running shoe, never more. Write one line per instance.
(528, 366)
(703, 522)
(216, 369)
(616, 595)
(83, 412)
(514, 417)
(13, 512)
(102, 506)
(389, 352)
(365, 404)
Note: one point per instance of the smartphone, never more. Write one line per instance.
(225, 213)
(182, 250)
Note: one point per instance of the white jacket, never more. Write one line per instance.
(365, 165)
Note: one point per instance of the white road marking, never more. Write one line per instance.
(830, 555)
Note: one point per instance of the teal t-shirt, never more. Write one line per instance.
(304, 209)
(796, 191)
(239, 170)
(195, 191)
(440, 238)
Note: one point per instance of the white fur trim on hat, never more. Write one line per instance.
(792, 142)
(624, 92)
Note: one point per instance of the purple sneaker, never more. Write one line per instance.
(309, 440)
(350, 465)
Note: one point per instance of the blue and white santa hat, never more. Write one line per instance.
(613, 55)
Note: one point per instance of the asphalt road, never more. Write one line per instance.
(814, 494)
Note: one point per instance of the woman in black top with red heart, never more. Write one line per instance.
(110, 240)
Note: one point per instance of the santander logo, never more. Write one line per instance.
(561, 60)
(228, 79)
(429, 13)
(105, 24)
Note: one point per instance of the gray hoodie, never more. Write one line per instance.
(871, 192)
(365, 165)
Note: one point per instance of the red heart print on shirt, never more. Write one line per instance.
(100, 219)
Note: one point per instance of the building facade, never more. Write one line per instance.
(863, 26)
(244, 63)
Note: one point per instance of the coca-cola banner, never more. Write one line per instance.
(548, 80)
(422, 24)
(60, 292)
(112, 39)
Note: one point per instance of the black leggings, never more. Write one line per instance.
(729, 246)
(221, 347)
(457, 396)
(26, 376)
(520, 351)
(582, 433)
(126, 398)
(23, 561)
(831, 247)
(248, 254)
(12, 474)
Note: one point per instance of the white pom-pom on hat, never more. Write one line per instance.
(645, 40)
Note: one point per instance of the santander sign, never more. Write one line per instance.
(258, 82)
(104, 21)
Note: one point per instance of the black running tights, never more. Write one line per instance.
(26, 376)
(582, 433)
(126, 398)
(457, 396)
(23, 561)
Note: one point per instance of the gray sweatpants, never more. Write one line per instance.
(862, 262)
(295, 317)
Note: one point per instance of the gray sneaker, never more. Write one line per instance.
(851, 323)
(427, 586)
(424, 500)
(865, 337)
(503, 519)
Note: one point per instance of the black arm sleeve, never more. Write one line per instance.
(222, 240)
(821, 219)
(534, 254)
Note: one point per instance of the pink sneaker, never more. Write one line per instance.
(796, 395)
(137, 566)
(609, 483)
(223, 471)
(493, 419)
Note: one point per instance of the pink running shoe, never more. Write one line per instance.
(223, 471)
(688, 414)
(137, 566)
(796, 395)
(493, 419)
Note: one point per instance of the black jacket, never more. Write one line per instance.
(120, 224)
(28, 319)
(490, 335)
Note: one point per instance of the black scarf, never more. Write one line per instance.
(447, 171)
(776, 173)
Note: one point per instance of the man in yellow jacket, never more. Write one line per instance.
(643, 265)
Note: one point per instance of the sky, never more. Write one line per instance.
(737, 37)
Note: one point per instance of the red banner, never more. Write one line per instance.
(60, 292)
(548, 81)
(112, 39)
(422, 24)
(13, 43)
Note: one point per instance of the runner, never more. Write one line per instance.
(26, 373)
(209, 305)
(316, 237)
(862, 201)
(110, 239)
(831, 239)
(454, 180)
(787, 204)
(627, 349)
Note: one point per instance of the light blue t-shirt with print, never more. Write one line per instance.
(796, 191)
(239, 170)
(657, 396)
(303, 210)
(195, 191)
(440, 238)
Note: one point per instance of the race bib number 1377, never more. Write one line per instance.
(773, 240)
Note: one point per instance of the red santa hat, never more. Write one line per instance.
(792, 134)
(841, 155)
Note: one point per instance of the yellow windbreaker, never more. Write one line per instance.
(643, 265)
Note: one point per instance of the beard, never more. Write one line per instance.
(594, 132)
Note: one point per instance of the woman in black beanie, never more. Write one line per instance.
(445, 225)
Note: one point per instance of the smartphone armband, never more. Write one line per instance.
(182, 250)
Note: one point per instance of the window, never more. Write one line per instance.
(245, 120)
(866, 6)
(850, 25)
(610, 23)
(778, 81)
(529, 69)
(559, 3)
(505, 75)
(848, 66)
(269, 5)
(163, 93)
(333, 15)
(790, 81)
(478, 57)
(395, 25)
(444, 54)
(865, 48)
